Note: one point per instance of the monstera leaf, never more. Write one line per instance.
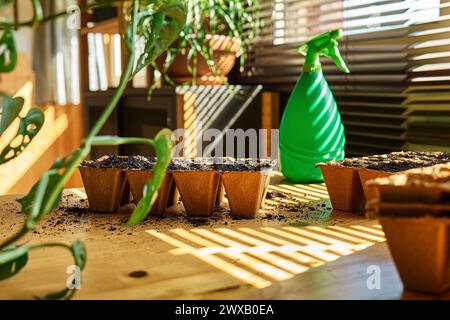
(29, 126)
(8, 51)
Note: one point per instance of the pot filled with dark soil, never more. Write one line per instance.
(105, 182)
(245, 182)
(414, 210)
(138, 173)
(346, 179)
(198, 184)
(380, 166)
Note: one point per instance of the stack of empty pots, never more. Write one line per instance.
(346, 179)
(201, 183)
(414, 210)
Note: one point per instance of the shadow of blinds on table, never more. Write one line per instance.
(379, 46)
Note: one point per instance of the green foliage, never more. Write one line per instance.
(158, 22)
(235, 18)
(8, 56)
(12, 260)
(29, 126)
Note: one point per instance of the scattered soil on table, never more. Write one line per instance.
(396, 161)
(121, 162)
(74, 218)
(289, 209)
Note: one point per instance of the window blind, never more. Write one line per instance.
(378, 47)
(428, 96)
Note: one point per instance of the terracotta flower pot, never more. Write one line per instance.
(225, 50)
(198, 190)
(104, 187)
(420, 248)
(344, 187)
(137, 180)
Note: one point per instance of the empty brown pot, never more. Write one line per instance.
(198, 190)
(104, 187)
(245, 191)
(137, 180)
(344, 187)
(420, 247)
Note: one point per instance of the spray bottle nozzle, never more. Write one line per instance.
(326, 45)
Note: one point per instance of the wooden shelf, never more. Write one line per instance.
(110, 26)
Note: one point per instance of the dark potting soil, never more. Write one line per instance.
(396, 161)
(191, 164)
(253, 165)
(180, 164)
(220, 164)
(121, 162)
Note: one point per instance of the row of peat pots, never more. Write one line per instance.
(409, 192)
(201, 182)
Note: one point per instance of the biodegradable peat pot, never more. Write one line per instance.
(245, 182)
(104, 187)
(225, 50)
(365, 175)
(220, 193)
(420, 248)
(245, 192)
(198, 190)
(137, 180)
(413, 209)
(344, 187)
(174, 195)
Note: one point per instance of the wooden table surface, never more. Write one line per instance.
(297, 248)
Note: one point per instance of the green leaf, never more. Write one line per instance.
(45, 195)
(79, 253)
(163, 147)
(8, 55)
(160, 27)
(12, 260)
(9, 111)
(5, 2)
(28, 129)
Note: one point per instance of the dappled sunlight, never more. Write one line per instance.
(205, 107)
(261, 256)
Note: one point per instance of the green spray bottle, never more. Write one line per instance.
(311, 130)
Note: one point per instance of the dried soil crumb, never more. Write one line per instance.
(138, 274)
